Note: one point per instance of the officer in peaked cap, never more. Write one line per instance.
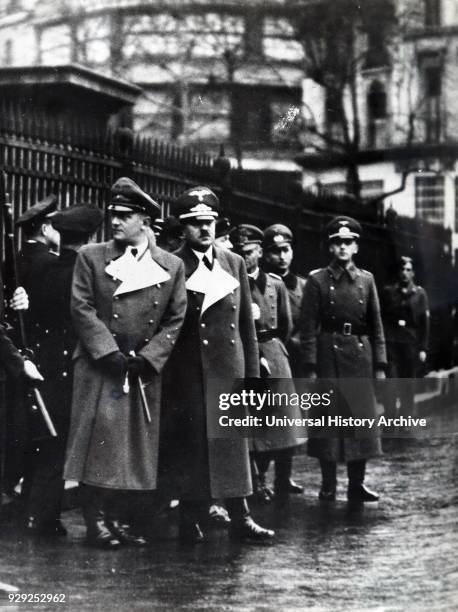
(126, 196)
(342, 338)
(278, 256)
(244, 234)
(272, 316)
(128, 304)
(57, 341)
(217, 341)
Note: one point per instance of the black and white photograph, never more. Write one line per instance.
(229, 305)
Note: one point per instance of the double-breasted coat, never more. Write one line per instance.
(110, 442)
(342, 338)
(273, 330)
(217, 342)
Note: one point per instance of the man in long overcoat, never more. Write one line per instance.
(217, 341)
(272, 317)
(342, 338)
(128, 304)
(54, 358)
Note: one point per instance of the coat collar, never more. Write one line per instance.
(337, 271)
(113, 251)
(191, 262)
(290, 281)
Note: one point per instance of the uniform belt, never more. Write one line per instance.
(346, 329)
(264, 335)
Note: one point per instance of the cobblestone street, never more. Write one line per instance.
(399, 554)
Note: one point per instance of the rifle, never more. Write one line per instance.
(10, 252)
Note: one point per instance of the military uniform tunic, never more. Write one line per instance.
(273, 331)
(342, 338)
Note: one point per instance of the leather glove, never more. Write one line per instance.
(114, 364)
(137, 365)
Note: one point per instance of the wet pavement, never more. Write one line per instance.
(399, 554)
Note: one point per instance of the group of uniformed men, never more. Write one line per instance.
(127, 335)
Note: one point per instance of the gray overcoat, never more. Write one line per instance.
(110, 443)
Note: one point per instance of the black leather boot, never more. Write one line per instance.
(97, 534)
(259, 466)
(118, 527)
(243, 527)
(284, 485)
(357, 491)
(328, 480)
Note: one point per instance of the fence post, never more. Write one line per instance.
(222, 166)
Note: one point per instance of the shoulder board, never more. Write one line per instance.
(366, 272)
(315, 271)
(276, 276)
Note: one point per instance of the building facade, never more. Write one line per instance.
(407, 105)
(212, 72)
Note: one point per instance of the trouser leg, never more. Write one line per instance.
(94, 503)
(328, 480)
(243, 527)
(357, 491)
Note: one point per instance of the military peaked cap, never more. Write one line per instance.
(126, 196)
(277, 235)
(222, 227)
(343, 227)
(245, 234)
(80, 219)
(197, 203)
(38, 212)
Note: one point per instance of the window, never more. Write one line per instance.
(251, 116)
(8, 52)
(429, 198)
(431, 70)
(376, 112)
(432, 13)
(377, 53)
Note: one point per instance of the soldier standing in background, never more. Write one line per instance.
(342, 338)
(57, 343)
(278, 255)
(272, 317)
(405, 313)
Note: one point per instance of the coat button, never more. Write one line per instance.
(232, 341)
(155, 303)
(203, 325)
(151, 321)
(168, 336)
(116, 297)
(331, 287)
(114, 335)
(335, 346)
(158, 285)
(205, 342)
(234, 307)
(232, 325)
(64, 374)
(146, 339)
(361, 301)
(197, 308)
(115, 316)
(65, 352)
(332, 302)
(194, 293)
